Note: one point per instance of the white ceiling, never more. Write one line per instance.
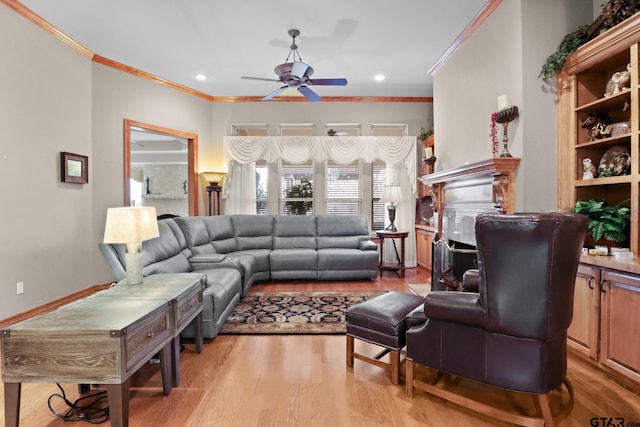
(355, 39)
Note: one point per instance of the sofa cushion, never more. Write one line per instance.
(341, 231)
(294, 231)
(253, 231)
(221, 232)
(293, 260)
(347, 259)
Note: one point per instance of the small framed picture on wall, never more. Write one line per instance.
(75, 168)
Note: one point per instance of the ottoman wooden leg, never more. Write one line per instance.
(395, 367)
(409, 377)
(350, 351)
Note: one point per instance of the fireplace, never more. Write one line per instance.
(450, 260)
(459, 195)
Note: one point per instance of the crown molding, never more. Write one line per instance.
(473, 25)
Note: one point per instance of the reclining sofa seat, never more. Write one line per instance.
(169, 253)
(294, 254)
(345, 251)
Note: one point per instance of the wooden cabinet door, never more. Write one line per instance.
(620, 323)
(424, 240)
(583, 333)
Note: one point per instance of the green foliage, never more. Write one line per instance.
(554, 62)
(304, 190)
(610, 222)
(424, 134)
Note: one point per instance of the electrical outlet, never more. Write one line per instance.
(20, 288)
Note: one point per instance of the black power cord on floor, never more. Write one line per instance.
(95, 411)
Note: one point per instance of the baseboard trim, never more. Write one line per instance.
(52, 305)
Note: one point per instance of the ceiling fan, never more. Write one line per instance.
(332, 132)
(296, 74)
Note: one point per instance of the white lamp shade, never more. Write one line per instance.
(214, 178)
(391, 194)
(130, 225)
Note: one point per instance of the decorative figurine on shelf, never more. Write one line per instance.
(184, 186)
(148, 190)
(589, 169)
(619, 80)
(596, 124)
(615, 161)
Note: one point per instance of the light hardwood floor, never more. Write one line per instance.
(280, 381)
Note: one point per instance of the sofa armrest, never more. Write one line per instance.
(459, 307)
(368, 245)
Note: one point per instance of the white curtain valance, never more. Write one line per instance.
(343, 150)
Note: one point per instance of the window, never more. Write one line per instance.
(296, 186)
(249, 130)
(378, 180)
(297, 129)
(262, 178)
(343, 188)
(289, 189)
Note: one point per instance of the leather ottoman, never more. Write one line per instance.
(381, 321)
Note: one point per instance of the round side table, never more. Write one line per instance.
(392, 235)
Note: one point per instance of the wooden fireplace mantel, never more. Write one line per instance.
(485, 186)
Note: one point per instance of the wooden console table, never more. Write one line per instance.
(103, 339)
(183, 291)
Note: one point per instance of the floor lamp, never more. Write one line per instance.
(215, 180)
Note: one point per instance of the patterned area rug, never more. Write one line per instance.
(293, 312)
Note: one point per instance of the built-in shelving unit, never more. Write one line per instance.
(605, 287)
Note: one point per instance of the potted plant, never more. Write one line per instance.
(426, 137)
(606, 221)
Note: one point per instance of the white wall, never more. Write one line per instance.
(504, 56)
(45, 224)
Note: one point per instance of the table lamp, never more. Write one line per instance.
(391, 194)
(131, 226)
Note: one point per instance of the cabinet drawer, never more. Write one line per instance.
(147, 336)
(188, 308)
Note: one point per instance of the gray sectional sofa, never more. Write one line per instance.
(235, 251)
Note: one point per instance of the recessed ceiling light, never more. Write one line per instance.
(379, 77)
(201, 77)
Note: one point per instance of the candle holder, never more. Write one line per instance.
(504, 117)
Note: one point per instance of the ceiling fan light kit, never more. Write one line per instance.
(296, 74)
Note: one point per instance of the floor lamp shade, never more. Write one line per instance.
(392, 195)
(131, 226)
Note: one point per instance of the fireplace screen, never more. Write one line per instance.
(450, 260)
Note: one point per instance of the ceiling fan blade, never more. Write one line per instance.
(274, 93)
(309, 94)
(327, 82)
(260, 79)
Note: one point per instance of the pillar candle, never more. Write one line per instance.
(503, 102)
(428, 152)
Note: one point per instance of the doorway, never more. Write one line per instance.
(160, 168)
